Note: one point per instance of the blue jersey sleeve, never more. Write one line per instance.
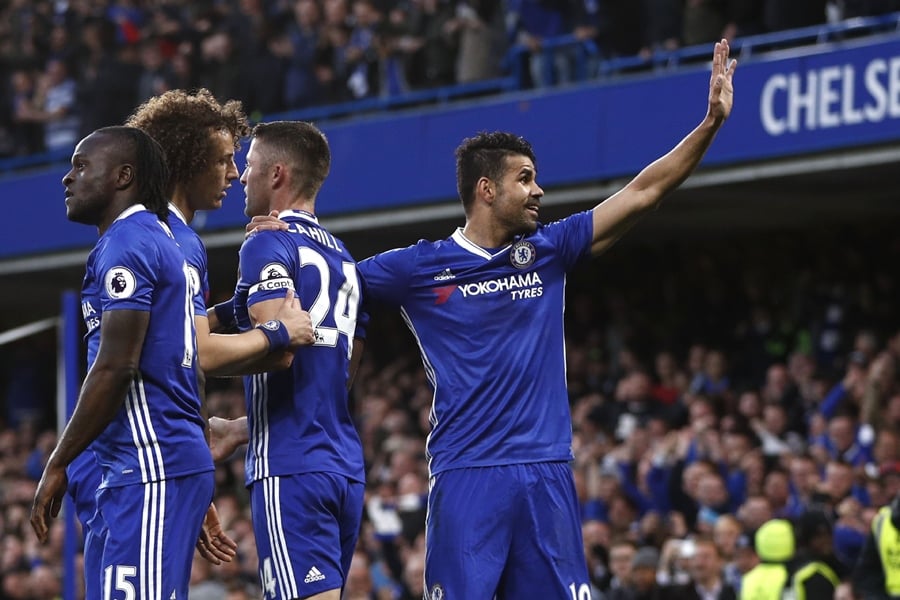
(386, 276)
(127, 270)
(572, 236)
(267, 267)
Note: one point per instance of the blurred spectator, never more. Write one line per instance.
(156, 75)
(358, 585)
(775, 546)
(818, 571)
(27, 130)
(704, 564)
(727, 534)
(56, 107)
(641, 581)
(536, 21)
(202, 584)
(110, 72)
(303, 32)
(432, 45)
(481, 28)
(362, 51)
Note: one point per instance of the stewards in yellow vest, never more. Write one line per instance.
(769, 580)
(818, 571)
(877, 573)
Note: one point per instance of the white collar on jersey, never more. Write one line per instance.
(130, 211)
(177, 212)
(466, 244)
(298, 213)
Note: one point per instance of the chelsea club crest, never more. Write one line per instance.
(522, 254)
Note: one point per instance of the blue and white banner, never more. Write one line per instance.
(836, 96)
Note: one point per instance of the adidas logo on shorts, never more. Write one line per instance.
(313, 576)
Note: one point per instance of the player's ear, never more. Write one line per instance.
(484, 187)
(125, 176)
(278, 175)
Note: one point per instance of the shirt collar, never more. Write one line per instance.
(130, 211)
(302, 214)
(177, 212)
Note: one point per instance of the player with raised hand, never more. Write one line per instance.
(486, 308)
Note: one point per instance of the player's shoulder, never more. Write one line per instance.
(577, 219)
(406, 254)
(138, 233)
(268, 246)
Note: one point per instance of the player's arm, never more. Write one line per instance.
(257, 350)
(102, 395)
(261, 315)
(220, 317)
(615, 216)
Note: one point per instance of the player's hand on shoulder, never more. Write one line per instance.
(269, 222)
(297, 321)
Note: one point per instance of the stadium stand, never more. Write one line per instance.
(718, 376)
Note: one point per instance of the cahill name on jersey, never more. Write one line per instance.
(298, 418)
(490, 328)
(158, 432)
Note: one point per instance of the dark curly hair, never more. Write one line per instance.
(483, 156)
(181, 121)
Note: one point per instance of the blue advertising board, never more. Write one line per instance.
(802, 101)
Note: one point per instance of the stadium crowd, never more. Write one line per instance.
(713, 387)
(67, 68)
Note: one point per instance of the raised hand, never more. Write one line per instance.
(721, 86)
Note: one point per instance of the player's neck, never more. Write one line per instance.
(116, 207)
(181, 203)
(486, 236)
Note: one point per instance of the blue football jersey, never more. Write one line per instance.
(158, 432)
(490, 329)
(298, 418)
(194, 254)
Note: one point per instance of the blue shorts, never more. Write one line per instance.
(85, 476)
(149, 532)
(306, 527)
(510, 532)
